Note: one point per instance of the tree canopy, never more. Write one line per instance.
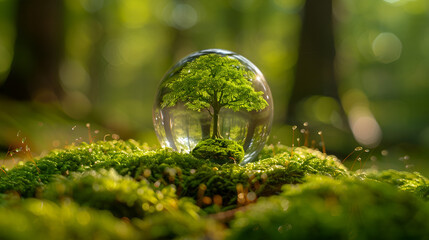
(212, 82)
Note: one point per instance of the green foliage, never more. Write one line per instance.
(27, 177)
(214, 79)
(264, 177)
(42, 219)
(324, 208)
(212, 82)
(23, 179)
(178, 225)
(412, 182)
(122, 196)
(150, 190)
(219, 151)
(164, 167)
(423, 191)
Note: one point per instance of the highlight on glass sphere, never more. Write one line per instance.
(214, 96)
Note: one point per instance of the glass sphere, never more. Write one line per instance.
(181, 125)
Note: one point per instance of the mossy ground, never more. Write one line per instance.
(123, 190)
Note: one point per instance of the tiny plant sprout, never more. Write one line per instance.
(356, 159)
(293, 139)
(323, 141)
(105, 136)
(405, 159)
(88, 125)
(368, 157)
(357, 149)
(313, 143)
(306, 132)
(360, 163)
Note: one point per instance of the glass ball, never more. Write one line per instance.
(185, 113)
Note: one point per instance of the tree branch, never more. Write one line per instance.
(208, 110)
(221, 96)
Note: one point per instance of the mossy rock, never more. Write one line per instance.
(219, 151)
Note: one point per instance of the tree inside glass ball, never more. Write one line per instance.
(213, 94)
(212, 82)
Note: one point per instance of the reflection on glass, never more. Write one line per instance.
(181, 129)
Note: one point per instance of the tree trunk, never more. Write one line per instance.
(315, 67)
(38, 52)
(216, 133)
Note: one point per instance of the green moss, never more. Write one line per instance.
(219, 151)
(406, 181)
(166, 167)
(23, 179)
(156, 193)
(127, 157)
(324, 208)
(179, 225)
(122, 196)
(423, 191)
(42, 219)
(264, 177)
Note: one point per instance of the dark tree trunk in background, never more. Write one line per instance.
(315, 67)
(38, 51)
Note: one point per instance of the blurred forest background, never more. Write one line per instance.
(356, 70)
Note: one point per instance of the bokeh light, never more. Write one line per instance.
(387, 47)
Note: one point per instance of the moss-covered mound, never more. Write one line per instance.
(161, 194)
(324, 208)
(406, 181)
(43, 219)
(219, 151)
(192, 177)
(121, 195)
